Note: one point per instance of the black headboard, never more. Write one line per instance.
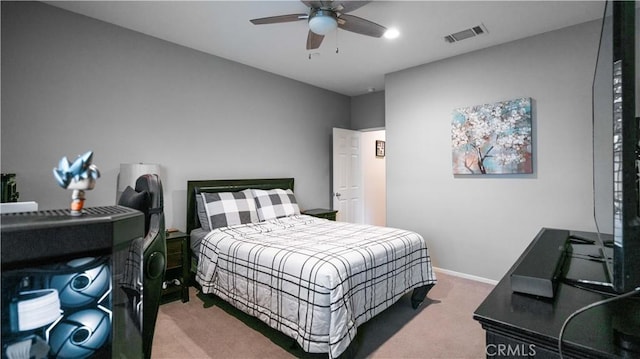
(229, 185)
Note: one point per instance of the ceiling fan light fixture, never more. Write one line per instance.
(322, 22)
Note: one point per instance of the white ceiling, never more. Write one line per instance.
(222, 28)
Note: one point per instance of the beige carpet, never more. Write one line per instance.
(442, 327)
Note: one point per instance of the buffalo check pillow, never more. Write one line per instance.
(275, 203)
(229, 208)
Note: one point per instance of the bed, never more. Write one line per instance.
(310, 278)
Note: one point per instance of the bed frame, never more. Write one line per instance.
(195, 187)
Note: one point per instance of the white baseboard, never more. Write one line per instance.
(466, 276)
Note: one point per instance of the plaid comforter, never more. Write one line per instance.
(313, 279)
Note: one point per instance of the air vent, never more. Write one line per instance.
(465, 34)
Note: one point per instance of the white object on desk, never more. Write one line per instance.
(15, 207)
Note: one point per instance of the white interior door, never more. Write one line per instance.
(347, 175)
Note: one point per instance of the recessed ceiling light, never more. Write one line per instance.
(391, 33)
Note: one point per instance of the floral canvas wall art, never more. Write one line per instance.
(492, 138)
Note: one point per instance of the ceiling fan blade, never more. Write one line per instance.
(360, 26)
(348, 6)
(314, 40)
(279, 19)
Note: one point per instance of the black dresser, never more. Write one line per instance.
(525, 326)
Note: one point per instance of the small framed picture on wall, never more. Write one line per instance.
(379, 148)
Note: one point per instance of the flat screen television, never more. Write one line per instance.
(616, 143)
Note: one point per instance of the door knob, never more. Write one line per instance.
(338, 194)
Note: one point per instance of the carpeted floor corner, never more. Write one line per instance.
(442, 327)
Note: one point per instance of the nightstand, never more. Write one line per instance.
(322, 213)
(175, 279)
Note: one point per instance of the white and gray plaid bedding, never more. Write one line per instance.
(313, 279)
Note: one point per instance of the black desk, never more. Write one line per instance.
(519, 325)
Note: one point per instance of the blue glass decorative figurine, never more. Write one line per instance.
(78, 176)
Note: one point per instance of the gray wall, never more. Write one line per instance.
(71, 84)
(367, 111)
(480, 225)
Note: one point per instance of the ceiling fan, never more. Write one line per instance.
(326, 16)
